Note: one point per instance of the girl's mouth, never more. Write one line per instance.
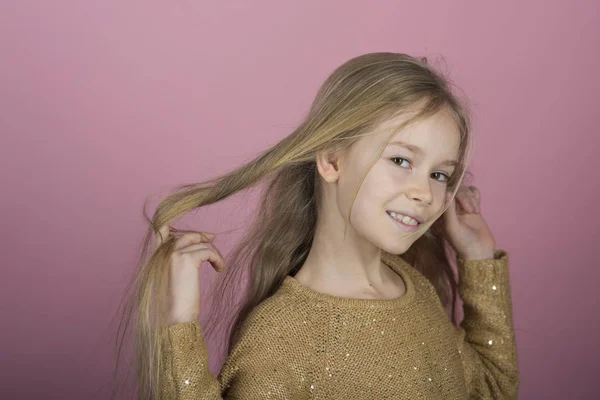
(405, 227)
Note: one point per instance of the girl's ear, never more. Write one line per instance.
(328, 165)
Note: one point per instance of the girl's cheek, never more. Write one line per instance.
(399, 177)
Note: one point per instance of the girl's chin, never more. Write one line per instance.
(399, 246)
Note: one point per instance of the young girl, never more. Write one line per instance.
(350, 288)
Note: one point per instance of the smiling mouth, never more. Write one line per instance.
(404, 219)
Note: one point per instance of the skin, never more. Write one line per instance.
(399, 180)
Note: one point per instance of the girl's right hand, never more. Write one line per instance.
(189, 252)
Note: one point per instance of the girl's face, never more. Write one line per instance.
(409, 179)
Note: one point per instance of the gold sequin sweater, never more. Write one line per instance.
(302, 344)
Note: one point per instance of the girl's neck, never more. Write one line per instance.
(349, 270)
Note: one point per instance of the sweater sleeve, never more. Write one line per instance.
(248, 373)
(184, 372)
(486, 335)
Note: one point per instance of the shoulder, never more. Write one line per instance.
(397, 262)
(425, 292)
(276, 314)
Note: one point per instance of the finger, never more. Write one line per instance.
(477, 196)
(209, 234)
(201, 245)
(163, 235)
(192, 247)
(450, 217)
(476, 192)
(214, 246)
(474, 200)
(472, 205)
(192, 238)
(463, 201)
(214, 258)
(452, 204)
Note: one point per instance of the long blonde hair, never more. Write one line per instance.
(357, 96)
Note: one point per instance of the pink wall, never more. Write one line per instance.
(103, 103)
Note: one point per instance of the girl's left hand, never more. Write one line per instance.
(465, 227)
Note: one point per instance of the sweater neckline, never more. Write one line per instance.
(396, 263)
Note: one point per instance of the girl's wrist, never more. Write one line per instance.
(182, 316)
(477, 255)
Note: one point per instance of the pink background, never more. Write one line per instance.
(103, 103)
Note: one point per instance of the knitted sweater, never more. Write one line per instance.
(302, 344)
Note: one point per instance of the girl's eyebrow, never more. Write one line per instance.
(418, 150)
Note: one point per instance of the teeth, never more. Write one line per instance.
(404, 218)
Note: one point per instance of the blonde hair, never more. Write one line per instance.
(356, 97)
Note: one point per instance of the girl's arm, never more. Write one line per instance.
(184, 369)
(486, 339)
(249, 372)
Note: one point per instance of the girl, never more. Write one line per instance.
(350, 289)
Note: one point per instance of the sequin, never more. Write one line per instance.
(336, 328)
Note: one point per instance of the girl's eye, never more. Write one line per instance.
(399, 158)
(446, 177)
(439, 174)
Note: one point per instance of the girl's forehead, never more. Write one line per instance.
(440, 127)
(437, 136)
